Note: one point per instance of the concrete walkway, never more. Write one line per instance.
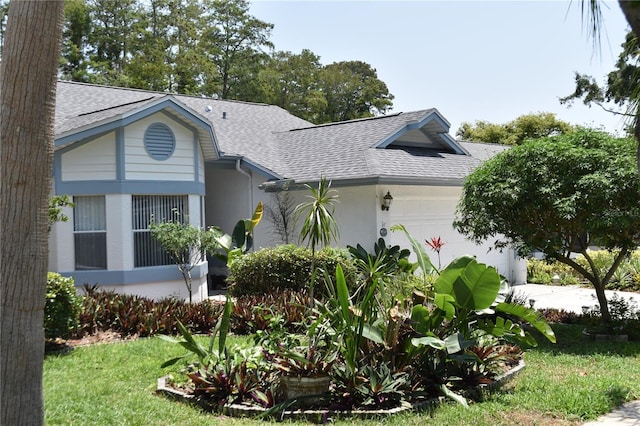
(573, 298)
(570, 298)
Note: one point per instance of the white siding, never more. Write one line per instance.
(140, 166)
(201, 165)
(95, 160)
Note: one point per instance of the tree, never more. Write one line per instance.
(186, 244)
(617, 94)
(319, 226)
(291, 81)
(352, 90)
(74, 63)
(27, 106)
(234, 40)
(114, 25)
(281, 216)
(558, 195)
(515, 132)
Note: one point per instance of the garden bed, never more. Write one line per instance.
(322, 415)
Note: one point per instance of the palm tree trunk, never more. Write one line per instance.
(27, 107)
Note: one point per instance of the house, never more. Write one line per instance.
(129, 156)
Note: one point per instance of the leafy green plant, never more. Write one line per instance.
(186, 244)
(230, 248)
(424, 262)
(287, 267)
(384, 262)
(56, 204)
(62, 308)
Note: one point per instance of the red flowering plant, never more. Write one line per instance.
(436, 243)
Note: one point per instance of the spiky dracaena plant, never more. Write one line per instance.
(319, 227)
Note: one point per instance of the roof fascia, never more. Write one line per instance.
(107, 125)
(433, 115)
(291, 184)
(251, 165)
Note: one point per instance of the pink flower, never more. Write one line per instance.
(435, 243)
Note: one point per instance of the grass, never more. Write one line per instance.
(567, 383)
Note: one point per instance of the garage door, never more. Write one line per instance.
(427, 217)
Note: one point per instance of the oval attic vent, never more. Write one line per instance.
(159, 141)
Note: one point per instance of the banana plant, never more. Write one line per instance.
(233, 246)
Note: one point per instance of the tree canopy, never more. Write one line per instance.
(210, 48)
(515, 132)
(618, 93)
(558, 195)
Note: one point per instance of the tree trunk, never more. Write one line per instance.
(27, 107)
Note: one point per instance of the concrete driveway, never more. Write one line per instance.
(570, 298)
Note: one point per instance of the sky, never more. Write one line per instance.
(471, 60)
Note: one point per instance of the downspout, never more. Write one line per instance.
(248, 175)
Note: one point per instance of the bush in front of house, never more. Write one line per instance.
(287, 267)
(132, 315)
(541, 271)
(62, 307)
(625, 278)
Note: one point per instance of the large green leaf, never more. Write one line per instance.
(446, 303)
(508, 330)
(343, 294)
(473, 285)
(423, 258)
(529, 315)
(434, 342)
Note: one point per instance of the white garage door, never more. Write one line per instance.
(432, 216)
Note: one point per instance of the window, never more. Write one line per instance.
(145, 208)
(90, 232)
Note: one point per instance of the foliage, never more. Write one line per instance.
(284, 310)
(619, 91)
(229, 248)
(132, 315)
(281, 216)
(319, 228)
(62, 308)
(186, 244)
(56, 204)
(424, 262)
(384, 262)
(541, 271)
(558, 195)
(516, 132)
(282, 267)
(210, 48)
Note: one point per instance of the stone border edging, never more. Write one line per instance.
(245, 410)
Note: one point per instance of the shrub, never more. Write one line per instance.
(287, 267)
(62, 308)
(130, 315)
(540, 271)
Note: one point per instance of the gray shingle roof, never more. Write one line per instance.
(293, 148)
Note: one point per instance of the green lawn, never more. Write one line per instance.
(567, 383)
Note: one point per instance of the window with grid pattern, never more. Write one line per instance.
(90, 232)
(148, 208)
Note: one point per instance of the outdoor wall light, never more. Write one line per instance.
(386, 201)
